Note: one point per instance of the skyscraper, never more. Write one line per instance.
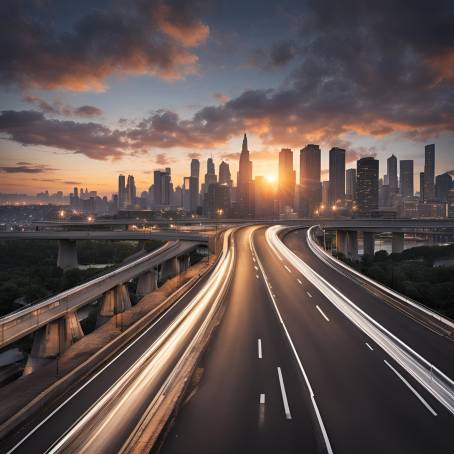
(121, 191)
(162, 187)
(224, 174)
(264, 197)
(421, 187)
(443, 184)
(310, 172)
(406, 178)
(286, 187)
(429, 172)
(195, 173)
(350, 189)
(336, 176)
(392, 173)
(130, 191)
(244, 182)
(210, 176)
(367, 178)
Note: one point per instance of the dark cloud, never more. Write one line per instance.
(126, 37)
(26, 167)
(57, 107)
(194, 155)
(73, 182)
(162, 159)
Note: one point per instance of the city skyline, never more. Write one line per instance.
(83, 122)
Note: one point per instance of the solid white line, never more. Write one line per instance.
(413, 390)
(284, 394)
(298, 360)
(259, 344)
(309, 295)
(262, 399)
(287, 268)
(369, 347)
(321, 312)
(299, 282)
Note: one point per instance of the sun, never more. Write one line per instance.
(271, 178)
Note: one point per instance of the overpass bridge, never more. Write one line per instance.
(55, 318)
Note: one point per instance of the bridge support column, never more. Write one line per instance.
(114, 301)
(147, 283)
(67, 254)
(184, 262)
(398, 242)
(53, 339)
(369, 243)
(341, 242)
(169, 269)
(352, 244)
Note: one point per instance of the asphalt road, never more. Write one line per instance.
(54, 425)
(366, 401)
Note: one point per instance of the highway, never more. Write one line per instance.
(363, 400)
(99, 415)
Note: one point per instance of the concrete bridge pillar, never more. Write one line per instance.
(369, 243)
(398, 242)
(53, 339)
(169, 269)
(114, 301)
(352, 244)
(67, 254)
(147, 282)
(184, 262)
(341, 242)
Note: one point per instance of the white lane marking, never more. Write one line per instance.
(299, 282)
(259, 345)
(413, 390)
(295, 353)
(284, 394)
(308, 294)
(257, 276)
(253, 259)
(256, 268)
(287, 268)
(369, 347)
(321, 312)
(262, 399)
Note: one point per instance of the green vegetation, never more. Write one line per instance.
(413, 274)
(28, 269)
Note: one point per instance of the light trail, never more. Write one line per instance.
(430, 377)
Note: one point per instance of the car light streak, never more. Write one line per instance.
(122, 404)
(430, 377)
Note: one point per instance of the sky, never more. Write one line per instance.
(94, 88)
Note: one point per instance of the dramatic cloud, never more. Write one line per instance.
(194, 155)
(127, 37)
(26, 167)
(279, 54)
(56, 107)
(162, 159)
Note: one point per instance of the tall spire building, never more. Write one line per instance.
(244, 182)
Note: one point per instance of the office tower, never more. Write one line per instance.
(121, 191)
(286, 187)
(186, 196)
(336, 176)
(162, 187)
(210, 176)
(350, 188)
(406, 178)
(130, 191)
(429, 172)
(310, 186)
(224, 174)
(450, 200)
(244, 182)
(421, 187)
(443, 184)
(392, 173)
(195, 173)
(265, 197)
(193, 194)
(325, 194)
(367, 180)
(218, 201)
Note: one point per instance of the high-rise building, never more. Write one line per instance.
(350, 188)
(162, 187)
(406, 178)
(121, 191)
(286, 187)
(443, 184)
(218, 200)
(392, 173)
(367, 180)
(336, 176)
(244, 183)
(325, 194)
(422, 187)
(429, 172)
(210, 176)
(224, 174)
(310, 186)
(130, 191)
(195, 173)
(265, 195)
